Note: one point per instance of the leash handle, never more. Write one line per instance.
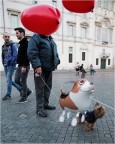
(37, 75)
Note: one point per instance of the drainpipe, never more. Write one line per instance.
(3, 15)
(62, 30)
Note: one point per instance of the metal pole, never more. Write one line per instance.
(62, 30)
(3, 15)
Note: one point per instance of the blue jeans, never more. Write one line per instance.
(92, 71)
(9, 71)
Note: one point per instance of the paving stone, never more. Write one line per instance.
(20, 124)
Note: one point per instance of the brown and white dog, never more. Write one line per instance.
(78, 99)
(90, 117)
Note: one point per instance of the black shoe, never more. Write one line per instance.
(6, 98)
(22, 100)
(41, 113)
(29, 93)
(49, 107)
(20, 92)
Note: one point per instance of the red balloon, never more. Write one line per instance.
(79, 6)
(42, 19)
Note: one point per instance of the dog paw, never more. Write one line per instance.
(61, 119)
(74, 122)
(83, 118)
(77, 115)
(68, 115)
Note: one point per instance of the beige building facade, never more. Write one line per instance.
(84, 38)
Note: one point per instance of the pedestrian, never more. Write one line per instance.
(22, 70)
(92, 70)
(42, 53)
(9, 58)
(77, 67)
(83, 72)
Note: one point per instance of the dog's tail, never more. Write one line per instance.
(63, 95)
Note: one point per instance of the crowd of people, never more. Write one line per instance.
(41, 52)
(80, 69)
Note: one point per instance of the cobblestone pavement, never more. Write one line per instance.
(20, 124)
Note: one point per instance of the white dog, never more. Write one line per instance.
(78, 99)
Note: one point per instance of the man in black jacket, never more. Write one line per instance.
(42, 53)
(23, 65)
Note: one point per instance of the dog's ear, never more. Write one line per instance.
(101, 111)
(97, 104)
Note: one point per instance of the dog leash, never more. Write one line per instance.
(102, 103)
(61, 88)
(37, 75)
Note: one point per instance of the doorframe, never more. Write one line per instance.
(104, 63)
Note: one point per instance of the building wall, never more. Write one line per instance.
(93, 49)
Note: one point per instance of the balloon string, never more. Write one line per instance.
(102, 103)
(48, 86)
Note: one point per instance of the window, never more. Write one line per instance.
(108, 61)
(83, 56)
(111, 4)
(105, 4)
(103, 52)
(34, 2)
(97, 61)
(14, 20)
(83, 32)
(98, 33)
(70, 58)
(13, 17)
(99, 3)
(70, 49)
(105, 34)
(84, 29)
(110, 35)
(54, 3)
(70, 54)
(71, 30)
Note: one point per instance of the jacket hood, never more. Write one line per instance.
(8, 43)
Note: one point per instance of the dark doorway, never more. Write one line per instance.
(103, 63)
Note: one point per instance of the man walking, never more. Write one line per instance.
(23, 65)
(9, 58)
(42, 53)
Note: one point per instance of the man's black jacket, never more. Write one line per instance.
(43, 53)
(22, 59)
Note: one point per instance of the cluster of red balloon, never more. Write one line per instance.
(45, 19)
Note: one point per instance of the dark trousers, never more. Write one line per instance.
(21, 79)
(42, 91)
